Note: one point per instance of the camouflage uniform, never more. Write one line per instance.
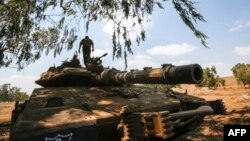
(86, 44)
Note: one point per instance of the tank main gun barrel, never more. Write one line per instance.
(168, 74)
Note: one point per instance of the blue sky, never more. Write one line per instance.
(168, 40)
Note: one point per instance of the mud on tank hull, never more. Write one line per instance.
(102, 113)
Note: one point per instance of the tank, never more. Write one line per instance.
(102, 104)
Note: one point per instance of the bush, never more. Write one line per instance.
(211, 79)
(8, 93)
(241, 73)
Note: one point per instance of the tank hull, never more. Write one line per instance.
(89, 113)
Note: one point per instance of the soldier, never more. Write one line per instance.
(74, 62)
(86, 44)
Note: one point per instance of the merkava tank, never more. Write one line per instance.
(102, 104)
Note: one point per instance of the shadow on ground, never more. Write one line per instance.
(212, 127)
(4, 128)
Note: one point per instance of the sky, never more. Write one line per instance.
(168, 40)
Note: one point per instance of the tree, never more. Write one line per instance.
(221, 82)
(211, 79)
(27, 27)
(241, 72)
(8, 93)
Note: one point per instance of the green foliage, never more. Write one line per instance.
(221, 82)
(31, 27)
(242, 73)
(211, 79)
(8, 93)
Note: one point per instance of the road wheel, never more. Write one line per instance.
(218, 106)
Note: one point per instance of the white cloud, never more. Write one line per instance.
(108, 28)
(134, 30)
(182, 62)
(219, 66)
(235, 28)
(248, 24)
(243, 51)
(216, 64)
(25, 82)
(239, 26)
(172, 50)
(99, 52)
(138, 61)
(106, 44)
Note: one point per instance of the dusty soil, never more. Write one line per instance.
(5, 116)
(236, 100)
(237, 103)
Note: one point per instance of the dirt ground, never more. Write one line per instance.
(5, 116)
(237, 103)
(236, 100)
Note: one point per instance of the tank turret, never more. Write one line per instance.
(95, 74)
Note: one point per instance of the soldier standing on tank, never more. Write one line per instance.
(86, 44)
